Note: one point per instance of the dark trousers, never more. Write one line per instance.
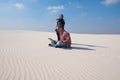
(58, 35)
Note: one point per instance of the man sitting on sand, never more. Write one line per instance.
(65, 39)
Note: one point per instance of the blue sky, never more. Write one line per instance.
(81, 16)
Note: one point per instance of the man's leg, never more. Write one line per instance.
(57, 44)
(53, 42)
(60, 45)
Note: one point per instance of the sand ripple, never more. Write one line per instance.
(20, 67)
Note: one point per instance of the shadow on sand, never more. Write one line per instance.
(77, 46)
(88, 45)
(81, 48)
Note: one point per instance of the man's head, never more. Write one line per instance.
(61, 16)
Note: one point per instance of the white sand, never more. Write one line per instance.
(25, 55)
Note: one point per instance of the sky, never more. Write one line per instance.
(81, 16)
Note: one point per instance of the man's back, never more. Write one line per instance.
(65, 38)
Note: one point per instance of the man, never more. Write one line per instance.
(62, 22)
(65, 39)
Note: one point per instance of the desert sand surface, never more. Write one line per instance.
(25, 55)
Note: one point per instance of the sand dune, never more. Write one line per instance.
(25, 55)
